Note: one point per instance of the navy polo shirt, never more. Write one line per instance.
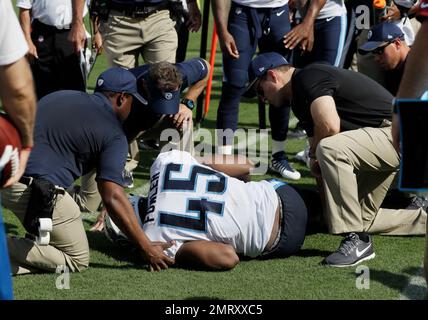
(74, 133)
(141, 117)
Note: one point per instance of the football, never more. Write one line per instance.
(10, 147)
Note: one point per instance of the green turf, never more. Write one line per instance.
(118, 274)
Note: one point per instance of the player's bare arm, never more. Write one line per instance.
(19, 101)
(326, 123)
(237, 166)
(221, 9)
(25, 22)
(303, 34)
(77, 33)
(192, 93)
(207, 255)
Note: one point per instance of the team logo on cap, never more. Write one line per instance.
(168, 95)
(390, 36)
(369, 35)
(261, 69)
(100, 82)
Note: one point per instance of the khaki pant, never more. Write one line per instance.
(358, 168)
(126, 38)
(68, 244)
(87, 196)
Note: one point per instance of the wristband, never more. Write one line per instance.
(27, 149)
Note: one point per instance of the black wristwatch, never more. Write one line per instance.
(188, 103)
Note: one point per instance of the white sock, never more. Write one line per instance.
(277, 146)
(226, 149)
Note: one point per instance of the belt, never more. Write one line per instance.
(43, 27)
(26, 180)
(139, 12)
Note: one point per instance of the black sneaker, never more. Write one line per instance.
(352, 251)
(148, 145)
(418, 202)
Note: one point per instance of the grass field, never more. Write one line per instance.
(118, 274)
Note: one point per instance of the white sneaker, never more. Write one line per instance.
(303, 156)
(280, 164)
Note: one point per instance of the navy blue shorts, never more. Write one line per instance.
(294, 217)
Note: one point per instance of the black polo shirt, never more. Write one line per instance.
(360, 101)
(74, 133)
(393, 78)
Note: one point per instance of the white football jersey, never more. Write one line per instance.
(190, 201)
(12, 42)
(57, 13)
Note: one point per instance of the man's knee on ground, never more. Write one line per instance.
(18, 257)
(79, 262)
(83, 262)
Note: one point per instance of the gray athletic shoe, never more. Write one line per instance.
(418, 202)
(352, 251)
(296, 133)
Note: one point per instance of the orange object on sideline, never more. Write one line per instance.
(212, 62)
(379, 4)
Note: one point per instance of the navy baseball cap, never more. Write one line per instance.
(259, 67)
(380, 35)
(118, 79)
(163, 102)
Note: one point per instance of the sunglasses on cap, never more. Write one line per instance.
(380, 50)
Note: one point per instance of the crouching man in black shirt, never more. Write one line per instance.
(347, 118)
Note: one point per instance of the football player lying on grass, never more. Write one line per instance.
(211, 218)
